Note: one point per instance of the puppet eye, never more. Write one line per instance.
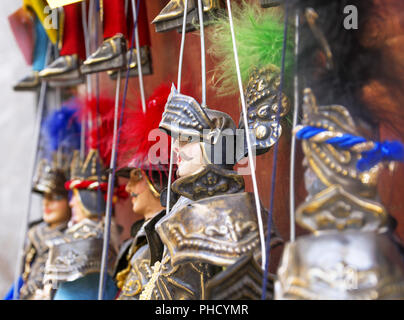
(136, 175)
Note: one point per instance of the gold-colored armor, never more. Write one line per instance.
(351, 254)
(212, 225)
(223, 228)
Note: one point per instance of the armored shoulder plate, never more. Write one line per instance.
(346, 265)
(83, 230)
(216, 230)
(241, 281)
(78, 253)
(262, 98)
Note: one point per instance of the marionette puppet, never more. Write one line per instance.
(112, 55)
(172, 15)
(66, 68)
(74, 263)
(33, 16)
(259, 35)
(144, 159)
(211, 232)
(123, 213)
(115, 53)
(61, 136)
(350, 79)
(213, 224)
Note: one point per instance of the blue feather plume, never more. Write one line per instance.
(61, 130)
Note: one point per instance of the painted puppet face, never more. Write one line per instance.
(55, 209)
(124, 215)
(144, 203)
(189, 157)
(78, 211)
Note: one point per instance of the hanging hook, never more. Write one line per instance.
(139, 63)
(203, 52)
(311, 17)
(181, 59)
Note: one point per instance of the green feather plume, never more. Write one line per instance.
(259, 39)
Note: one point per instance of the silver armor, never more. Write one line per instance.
(36, 255)
(78, 252)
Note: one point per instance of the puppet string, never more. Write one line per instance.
(250, 154)
(275, 157)
(111, 180)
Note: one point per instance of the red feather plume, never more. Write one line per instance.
(100, 136)
(140, 133)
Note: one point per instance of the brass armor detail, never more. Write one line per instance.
(331, 165)
(263, 84)
(209, 181)
(334, 208)
(348, 257)
(262, 98)
(123, 275)
(341, 265)
(240, 281)
(88, 169)
(216, 230)
(185, 281)
(345, 202)
(148, 290)
(138, 276)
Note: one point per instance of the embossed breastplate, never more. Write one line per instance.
(348, 265)
(201, 237)
(78, 253)
(139, 274)
(216, 230)
(36, 255)
(184, 281)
